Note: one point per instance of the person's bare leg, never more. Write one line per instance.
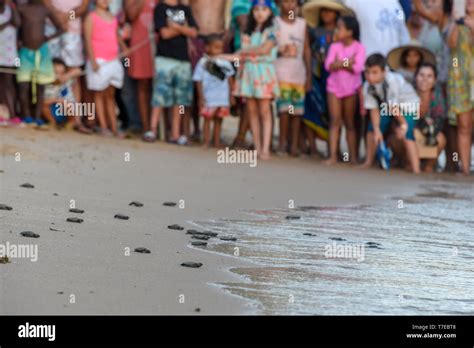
(451, 148)
(265, 111)
(39, 102)
(8, 93)
(99, 97)
(207, 132)
(144, 96)
(186, 123)
(371, 149)
(284, 120)
(310, 135)
(25, 99)
(244, 126)
(431, 163)
(295, 134)
(254, 120)
(47, 114)
(155, 119)
(465, 141)
(349, 107)
(175, 123)
(110, 109)
(217, 132)
(412, 155)
(335, 110)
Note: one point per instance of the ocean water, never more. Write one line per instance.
(404, 256)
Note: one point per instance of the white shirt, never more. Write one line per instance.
(399, 91)
(382, 24)
(216, 91)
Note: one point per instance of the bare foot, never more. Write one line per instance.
(365, 165)
(330, 161)
(264, 156)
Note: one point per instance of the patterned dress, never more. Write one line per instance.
(257, 77)
(461, 77)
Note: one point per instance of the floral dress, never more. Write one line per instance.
(257, 78)
(461, 77)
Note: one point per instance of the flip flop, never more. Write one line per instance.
(149, 137)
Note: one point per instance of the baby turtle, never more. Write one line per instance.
(27, 185)
(176, 227)
(200, 237)
(75, 220)
(5, 207)
(142, 250)
(76, 211)
(229, 239)
(29, 234)
(337, 239)
(309, 234)
(170, 204)
(203, 244)
(293, 217)
(136, 204)
(4, 259)
(121, 217)
(209, 234)
(193, 232)
(191, 264)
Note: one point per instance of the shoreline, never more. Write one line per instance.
(87, 260)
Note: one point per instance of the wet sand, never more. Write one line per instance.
(88, 260)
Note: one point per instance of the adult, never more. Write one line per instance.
(141, 69)
(461, 82)
(382, 24)
(433, 111)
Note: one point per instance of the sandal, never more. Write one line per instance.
(149, 137)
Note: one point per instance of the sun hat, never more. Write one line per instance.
(395, 55)
(312, 9)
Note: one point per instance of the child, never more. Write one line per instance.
(36, 66)
(212, 77)
(104, 71)
(322, 19)
(385, 93)
(60, 93)
(345, 62)
(173, 83)
(407, 59)
(257, 80)
(293, 67)
(9, 21)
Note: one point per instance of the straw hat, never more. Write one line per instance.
(312, 8)
(395, 55)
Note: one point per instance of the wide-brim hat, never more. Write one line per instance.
(395, 55)
(312, 9)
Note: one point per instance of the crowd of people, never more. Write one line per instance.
(396, 75)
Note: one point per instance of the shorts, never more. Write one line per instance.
(36, 66)
(211, 112)
(386, 121)
(173, 83)
(292, 98)
(109, 74)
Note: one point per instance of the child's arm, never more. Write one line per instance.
(88, 41)
(332, 62)
(200, 93)
(123, 46)
(81, 10)
(375, 118)
(184, 29)
(57, 23)
(433, 15)
(133, 8)
(356, 63)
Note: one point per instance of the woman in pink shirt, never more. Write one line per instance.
(345, 63)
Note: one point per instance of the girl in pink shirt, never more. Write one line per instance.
(104, 70)
(345, 63)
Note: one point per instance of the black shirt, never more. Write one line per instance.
(177, 47)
